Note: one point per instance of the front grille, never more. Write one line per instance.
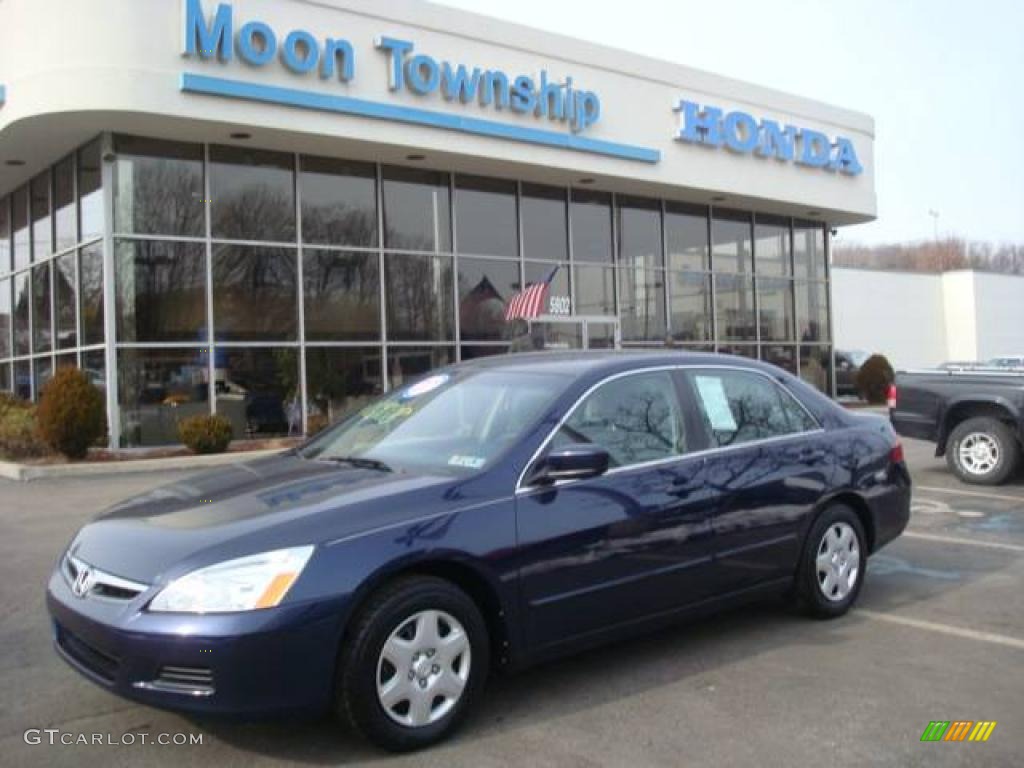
(197, 681)
(100, 583)
(101, 664)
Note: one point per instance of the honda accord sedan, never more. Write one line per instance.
(493, 514)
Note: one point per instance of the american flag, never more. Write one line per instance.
(529, 302)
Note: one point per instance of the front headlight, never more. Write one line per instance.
(244, 584)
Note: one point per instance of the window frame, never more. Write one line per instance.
(684, 396)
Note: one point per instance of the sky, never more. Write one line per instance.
(943, 79)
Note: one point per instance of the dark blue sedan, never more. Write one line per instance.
(493, 514)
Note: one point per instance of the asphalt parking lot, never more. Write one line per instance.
(938, 635)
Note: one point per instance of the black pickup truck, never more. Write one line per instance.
(975, 418)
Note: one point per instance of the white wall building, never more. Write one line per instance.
(266, 208)
(921, 320)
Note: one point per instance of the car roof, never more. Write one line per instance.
(577, 363)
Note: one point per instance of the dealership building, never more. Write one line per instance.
(276, 209)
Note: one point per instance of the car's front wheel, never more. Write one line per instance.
(983, 451)
(833, 563)
(416, 658)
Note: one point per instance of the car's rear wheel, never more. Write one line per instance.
(412, 665)
(982, 451)
(834, 560)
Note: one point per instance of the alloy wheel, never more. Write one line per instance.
(978, 453)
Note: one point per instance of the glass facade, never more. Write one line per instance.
(277, 288)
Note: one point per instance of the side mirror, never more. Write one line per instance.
(573, 462)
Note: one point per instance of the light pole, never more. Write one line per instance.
(935, 222)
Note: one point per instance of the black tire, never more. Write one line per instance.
(996, 431)
(809, 590)
(356, 692)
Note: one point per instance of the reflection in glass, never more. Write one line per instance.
(254, 293)
(39, 203)
(730, 233)
(43, 374)
(341, 380)
(775, 305)
(639, 233)
(485, 216)
(5, 235)
(65, 293)
(543, 211)
(783, 357)
(740, 350)
(417, 212)
(156, 389)
(734, 306)
(686, 234)
(22, 307)
(65, 213)
(771, 249)
(591, 214)
(94, 363)
(42, 324)
(690, 313)
(258, 391)
(595, 290)
(6, 320)
(19, 225)
(342, 295)
(158, 187)
(471, 352)
(406, 364)
(642, 304)
(419, 299)
(485, 287)
(90, 192)
(339, 202)
(90, 293)
(252, 195)
(816, 367)
(23, 379)
(809, 250)
(5, 378)
(558, 286)
(812, 311)
(161, 291)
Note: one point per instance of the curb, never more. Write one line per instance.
(29, 472)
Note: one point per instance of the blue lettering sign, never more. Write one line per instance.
(740, 132)
(257, 44)
(423, 74)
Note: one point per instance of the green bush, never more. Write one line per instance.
(205, 434)
(71, 414)
(874, 378)
(18, 438)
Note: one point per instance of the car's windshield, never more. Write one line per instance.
(453, 421)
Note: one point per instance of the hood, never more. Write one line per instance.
(246, 508)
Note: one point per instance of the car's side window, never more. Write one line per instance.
(635, 418)
(739, 407)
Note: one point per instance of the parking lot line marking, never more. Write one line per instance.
(959, 540)
(979, 494)
(945, 629)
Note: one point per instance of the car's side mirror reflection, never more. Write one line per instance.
(573, 462)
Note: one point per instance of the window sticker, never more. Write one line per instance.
(386, 412)
(716, 404)
(428, 384)
(469, 462)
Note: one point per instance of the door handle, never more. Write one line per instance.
(810, 455)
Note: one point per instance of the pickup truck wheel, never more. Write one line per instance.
(982, 451)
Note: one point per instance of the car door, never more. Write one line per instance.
(769, 462)
(633, 542)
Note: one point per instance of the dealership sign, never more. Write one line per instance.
(743, 134)
(222, 37)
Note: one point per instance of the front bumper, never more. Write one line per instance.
(253, 663)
